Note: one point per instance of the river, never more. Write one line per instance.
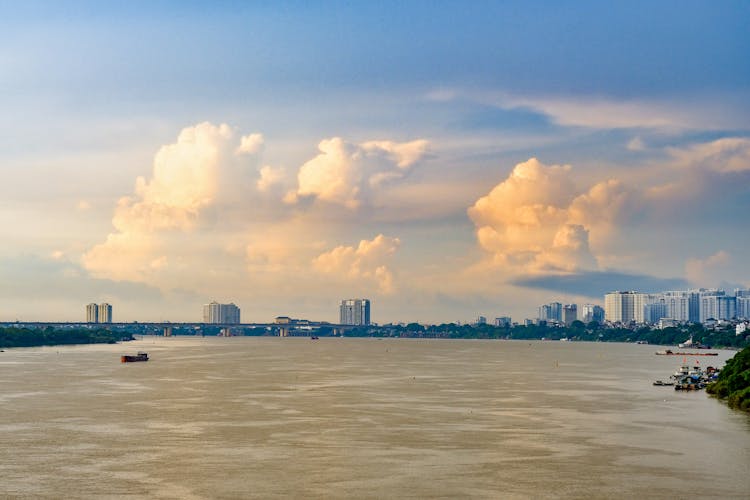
(251, 417)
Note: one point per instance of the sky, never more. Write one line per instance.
(444, 159)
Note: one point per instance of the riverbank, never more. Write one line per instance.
(733, 383)
(26, 337)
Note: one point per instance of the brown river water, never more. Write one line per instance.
(362, 418)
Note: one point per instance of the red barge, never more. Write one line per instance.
(667, 352)
(141, 356)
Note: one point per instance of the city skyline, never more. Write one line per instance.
(697, 305)
(444, 160)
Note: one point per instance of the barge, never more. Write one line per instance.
(141, 356)
(667, 352)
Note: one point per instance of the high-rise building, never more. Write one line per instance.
(619, 307)
(221, 314)
(551, 312)
(727, 307)
(694, 306)
(624, 307)
(677, 304)
(503, 321)
(105, 313)
(354, 312)
(640, 301)
(570, 314)
(98, 313)
(712, 304)
(92, 313)
(481, 320)
(654, 311)
(592, 312)
(743, 307)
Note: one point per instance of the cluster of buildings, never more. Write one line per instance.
(556, 312)
(98, 313)
(689, 306)
(669, 308)
(501, 321)
(221, 314)
(354, 312)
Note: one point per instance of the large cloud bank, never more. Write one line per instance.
(537, 221)
(210, 207)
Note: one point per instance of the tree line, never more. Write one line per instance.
(31, 337)
(733, 383)
(577, 331)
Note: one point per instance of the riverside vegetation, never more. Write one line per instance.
(733, 383)
(592, 332)
(721, 336)
(32, 337)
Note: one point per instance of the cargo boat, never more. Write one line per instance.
(141, 356)
(667, 352)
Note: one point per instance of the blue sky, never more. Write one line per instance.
(376, 134)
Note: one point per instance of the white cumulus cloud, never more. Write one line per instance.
(345, 174)
(188, 177)
(250, 144)
(365, 262)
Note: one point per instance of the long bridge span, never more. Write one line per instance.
(282, 329)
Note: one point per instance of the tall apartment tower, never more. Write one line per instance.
(624, 307)
(551, 312)
(221, 314)
(354, 312)
(92, 313)
(619, 307)
(105, 313)
(570, 314)
(743, 307)
(677, 304)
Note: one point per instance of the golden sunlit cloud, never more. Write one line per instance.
(345, 174)
(364, 262)
(535, 220)
(196, 218)
(187, 178)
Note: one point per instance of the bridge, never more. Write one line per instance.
(281, 328)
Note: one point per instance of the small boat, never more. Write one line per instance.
(660, 382)
(314, 337)
(141, 356)
(691, 344)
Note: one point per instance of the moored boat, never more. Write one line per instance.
(661, 382)
(692, 344)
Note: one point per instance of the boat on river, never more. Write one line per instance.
(661, 382)
(669, 352)
(692, 378)
(141, 356)
(692, 344)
